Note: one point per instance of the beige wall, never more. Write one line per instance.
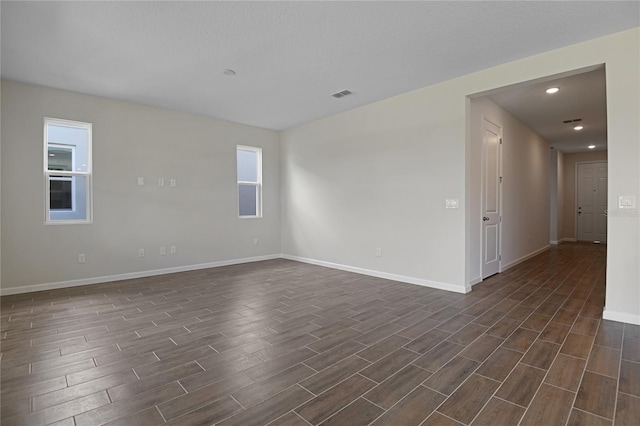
(562, 205)
(556, 212)
(199, 215)
(569, 175)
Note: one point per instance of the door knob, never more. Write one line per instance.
(484, 218)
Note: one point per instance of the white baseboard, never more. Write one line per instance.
(607, 314)
(620, 316)
(511, 264)
(475, 281)
(131, 275)
(564, 240)
(379, 274)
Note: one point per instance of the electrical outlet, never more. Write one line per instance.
(160, 181)
(255, 241)
(81, 258)
(140, 252)
(378, 252)
(172, 182)
(163, 251)
(173, 250)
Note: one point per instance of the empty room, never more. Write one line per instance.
(320, 213)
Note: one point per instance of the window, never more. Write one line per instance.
(249, 181)
(67, 171)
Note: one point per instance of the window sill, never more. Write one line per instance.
(69, 222)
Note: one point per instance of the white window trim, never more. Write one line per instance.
(257, 184)
(48, 173)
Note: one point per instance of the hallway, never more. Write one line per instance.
(285, 343)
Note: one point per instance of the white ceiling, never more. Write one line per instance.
(582, 96)
(289, 56)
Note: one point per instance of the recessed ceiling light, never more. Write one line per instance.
(229, 72)
(552, 90)
(52, 155)
(578, 127)
(591, 146)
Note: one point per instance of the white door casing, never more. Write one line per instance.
(591, 202)
(491, 194)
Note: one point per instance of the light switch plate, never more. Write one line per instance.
(627, 202)
(451, 203)
(141, 181)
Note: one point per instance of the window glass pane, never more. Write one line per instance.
(247, 200)
(60, 158)
(60, 193)
(73, 138)
(247, 166)
(68, 197)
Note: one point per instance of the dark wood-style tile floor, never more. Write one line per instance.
(285, 343)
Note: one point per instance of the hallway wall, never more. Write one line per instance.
(556, 212)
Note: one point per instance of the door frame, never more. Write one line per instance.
(482, 190)
(575, 197)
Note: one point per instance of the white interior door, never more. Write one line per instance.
(591, 200)
(491, 155)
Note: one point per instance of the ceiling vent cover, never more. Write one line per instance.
(342, 94)
(575, 120)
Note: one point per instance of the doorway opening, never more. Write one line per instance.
(546, 135)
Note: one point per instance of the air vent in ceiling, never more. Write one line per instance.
(342, 94)
(575, 120)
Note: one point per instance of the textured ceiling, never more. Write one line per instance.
(289, 56)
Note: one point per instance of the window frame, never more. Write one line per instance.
(57, 174)
(257, 184)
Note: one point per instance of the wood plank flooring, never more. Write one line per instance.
(286, 343)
